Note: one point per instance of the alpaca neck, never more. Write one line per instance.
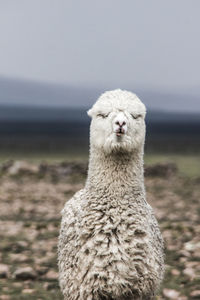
(119, 172)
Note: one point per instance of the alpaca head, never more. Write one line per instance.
(117, 122)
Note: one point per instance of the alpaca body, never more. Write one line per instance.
(110, 246)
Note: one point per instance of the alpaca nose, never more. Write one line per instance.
(121, 124)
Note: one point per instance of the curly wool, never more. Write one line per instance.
(110, 245)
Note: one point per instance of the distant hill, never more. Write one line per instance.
(43, 116)
(22, 92)
(74, 123)
(51, 114)
(30, 93)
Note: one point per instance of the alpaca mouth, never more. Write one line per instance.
(120, 132)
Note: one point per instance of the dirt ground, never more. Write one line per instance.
(31, 198)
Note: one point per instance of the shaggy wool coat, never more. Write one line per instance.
(110, 246)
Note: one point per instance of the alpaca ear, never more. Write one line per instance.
(89, 112)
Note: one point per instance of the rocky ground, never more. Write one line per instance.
(31, 197)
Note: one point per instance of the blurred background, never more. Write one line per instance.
(56, 58)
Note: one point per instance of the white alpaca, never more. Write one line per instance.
(110, 246)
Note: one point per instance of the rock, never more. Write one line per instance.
(197, 253)
(189, 272)
(185, 253)
(24, 273)
(18, 257)
(28, 291)
(17, 284)
(183, 260)
(171, 294)
(6, 165)
(22, 167)
(194, 265)
(50, 285)
(41, 270)
(20, 246)
(175, 272)
(52, 275)
(191, 246)
(5, 297)
(172, 247)
(161, 170)
(62, 170)
(195, 294)
(4, 271)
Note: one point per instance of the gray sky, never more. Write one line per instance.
(139, 44)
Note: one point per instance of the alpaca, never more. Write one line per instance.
(110, 246)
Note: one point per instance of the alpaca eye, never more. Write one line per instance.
(136, 116)
(102, 115)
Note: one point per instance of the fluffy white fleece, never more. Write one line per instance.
(110, 245)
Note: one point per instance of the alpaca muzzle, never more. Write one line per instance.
(120, 124)
(120, 131)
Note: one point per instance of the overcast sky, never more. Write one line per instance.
(138, 44)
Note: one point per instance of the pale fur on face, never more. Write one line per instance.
(115, 109)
